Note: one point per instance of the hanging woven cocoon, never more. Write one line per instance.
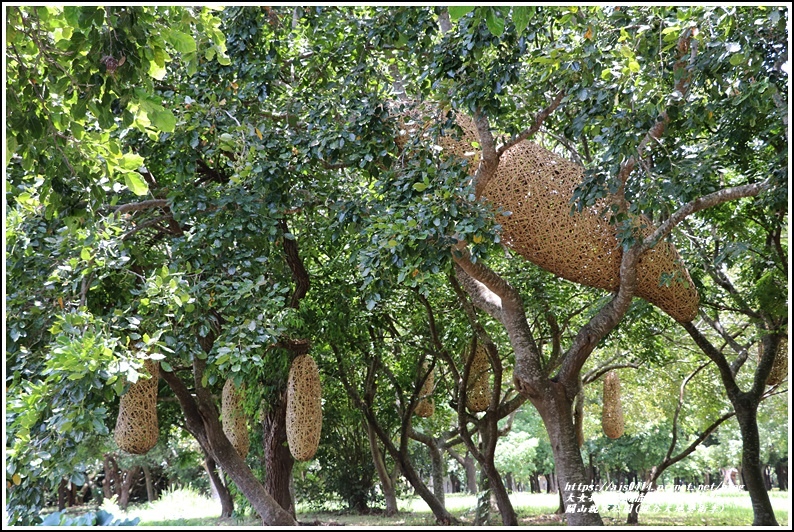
(478, 392)
(235, 424)
(304, 408)
(426, 407)
(535, 185)
(136, 426)
(612, 413)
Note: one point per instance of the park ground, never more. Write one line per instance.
(186, 507)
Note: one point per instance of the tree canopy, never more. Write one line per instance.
(219, 189)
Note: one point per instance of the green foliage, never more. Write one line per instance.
(250, 128)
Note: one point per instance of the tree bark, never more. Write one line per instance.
(471, 473)
(203, 421)
(150, 492)
(130, 477)
(763, 514)
(277, 457)
(217, 485)
(556, 412)
(387, 486)
(62, 495)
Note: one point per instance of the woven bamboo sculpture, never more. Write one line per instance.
(780, 365)
(235, 424)
(304, 408)
(136, 426)
(478, 391)
(612, 413)
(426, 407)
(535, 185)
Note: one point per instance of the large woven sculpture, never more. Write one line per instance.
(426, 407)
(612, 412)
(304, 408)
(535, 186)
(136, 426)
(235, 424)
(478, 392)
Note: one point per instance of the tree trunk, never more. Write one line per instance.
(763, 514)
(130, 477)
(437, 462)
(218, 487)
(556, 411)
(202, 419)
(781, 470)
(150, 492)
(387, 486)
(62, 495)
(277, 457)
(471, 473)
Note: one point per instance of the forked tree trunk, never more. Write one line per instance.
(202, 419)
(130, 477)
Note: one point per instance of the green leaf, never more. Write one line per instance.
(521, 16)
(182, 42)
(634, 66)
(131, 161)
(419, 187)
(495, 23)
(135, 183)
(11, 147)
(85, 254)
(737, 59)
(165, 366)
(72, 15)
(456, 12)
(163, 119)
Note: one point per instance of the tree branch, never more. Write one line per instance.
(535, 127)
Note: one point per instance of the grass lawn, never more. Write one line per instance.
(717, 508)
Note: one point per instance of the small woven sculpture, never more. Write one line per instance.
(235, 424)
(304, 408)
(612, 413)
(136, 426)
(535, 186)
(780, 365)
(478, 392)
(426, 407)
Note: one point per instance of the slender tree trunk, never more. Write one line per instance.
(130, 477)
(471, 473)
(218, 487)
(277, 457)
(150, 493)
(437, 463)
(387, 486)
(556, 411)
(763, 514)
(62, 495)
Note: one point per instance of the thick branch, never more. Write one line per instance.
(299, 273)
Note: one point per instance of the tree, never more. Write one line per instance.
(178, 209)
